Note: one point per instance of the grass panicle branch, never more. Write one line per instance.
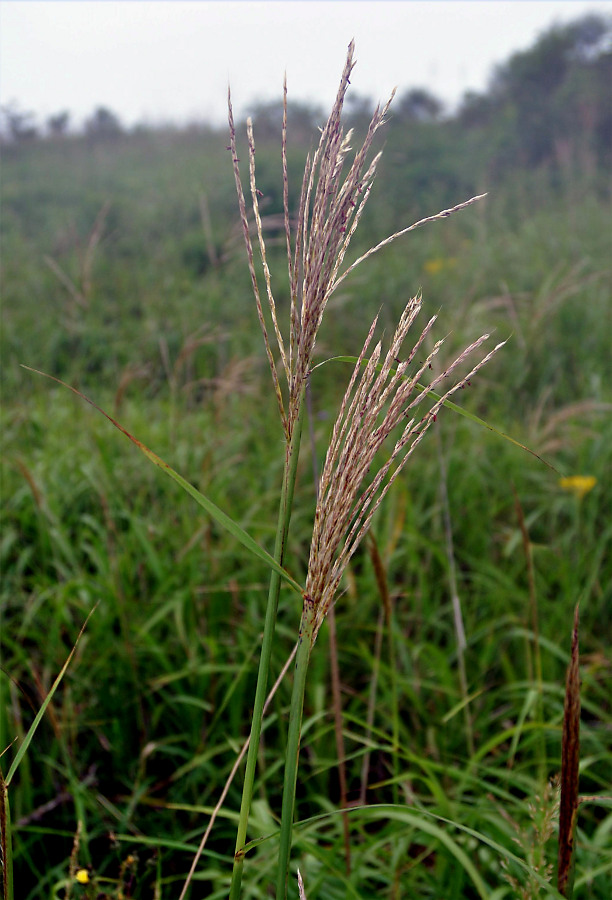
(443, 214)
(251, 259)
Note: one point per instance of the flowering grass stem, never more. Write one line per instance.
(384, 398)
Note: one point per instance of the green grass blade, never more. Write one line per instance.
(6, 843)
(32, 729)
(450, 405)
(5, 818)
(420, 820)
(211, 508)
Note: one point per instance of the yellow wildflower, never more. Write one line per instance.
(578, 485)
(435, 265)
(82, 876)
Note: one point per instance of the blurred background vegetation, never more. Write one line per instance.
(124, 274)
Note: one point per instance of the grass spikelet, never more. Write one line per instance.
(300, 880)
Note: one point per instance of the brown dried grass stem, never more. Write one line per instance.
(570, 761)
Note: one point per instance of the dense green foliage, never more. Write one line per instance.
(124, 274)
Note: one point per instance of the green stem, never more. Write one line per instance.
(394, 701)
(6, 841)
(293, 745)
(284, 516)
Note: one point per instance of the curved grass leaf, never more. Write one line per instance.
(211, 508)
(32, 729)
(449, 405)
(418, 819)
(5, 814)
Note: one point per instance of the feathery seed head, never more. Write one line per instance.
(380, 397)
(329, 211)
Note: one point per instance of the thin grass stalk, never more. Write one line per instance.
(302, 659)
(6, 841)
(284, 517)
(340, 749)
(570, 770)
(395, 715)
(383, 589)
(365, 766)
(456, 602)
(535, 630)
(230, 778)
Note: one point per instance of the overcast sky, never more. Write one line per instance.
(168, 61)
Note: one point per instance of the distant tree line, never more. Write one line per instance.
(550, 104)
(17, 126)
(546, 109)
(557, 92)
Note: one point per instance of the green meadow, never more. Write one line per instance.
(429, 765)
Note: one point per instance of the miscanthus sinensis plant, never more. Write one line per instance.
(384, 406)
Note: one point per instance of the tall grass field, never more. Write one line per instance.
(435, 736)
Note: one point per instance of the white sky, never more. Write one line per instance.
(171, 61)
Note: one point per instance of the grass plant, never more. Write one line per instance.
(376, 402)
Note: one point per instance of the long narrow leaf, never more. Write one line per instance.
(211, 508)
(32, 729)
(449, 405)
(6, 842)
(418, 819)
